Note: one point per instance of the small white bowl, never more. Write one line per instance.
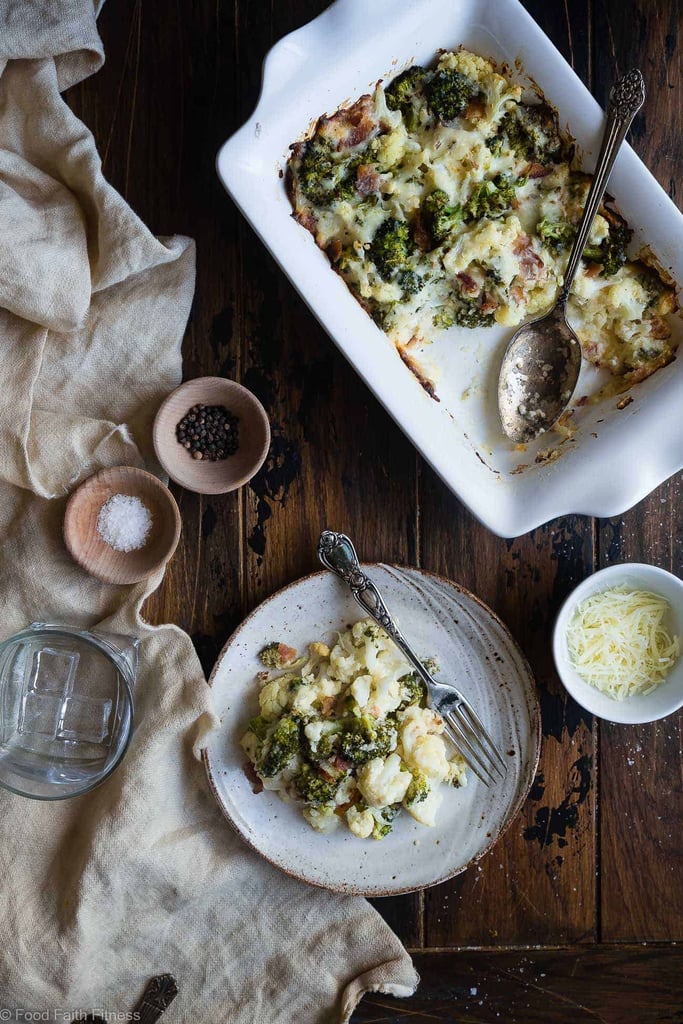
(668, 696)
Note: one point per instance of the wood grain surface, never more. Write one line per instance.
(540, 931)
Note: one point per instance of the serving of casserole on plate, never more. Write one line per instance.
(399, 782)
(450, 226)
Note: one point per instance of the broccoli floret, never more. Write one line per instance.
(410, 283)
(313, 787)
(444, 317)
(382, 315)
(405, 93)
(317, 172)
(418, 790)
(611, 252)
(556, 234)
(532, 132)
(492, 198)
(383, 826)
(466, 315)
(391, 247)
(324, 177)
(281, 748)
(277, 655)
(449, 94)
(438, 216)
(364, 738)
(259, 726)
(412, 690)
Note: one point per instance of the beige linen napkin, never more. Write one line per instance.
(142, 876)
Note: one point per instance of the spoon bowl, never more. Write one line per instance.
(538, 375)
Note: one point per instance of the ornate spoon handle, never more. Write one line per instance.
(625, 100)
(337, 553)
(157, 997)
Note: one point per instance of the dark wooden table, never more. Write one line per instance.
(576, 914)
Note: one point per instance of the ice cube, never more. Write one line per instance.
(84, 720)
(40, 714)
(53, 671)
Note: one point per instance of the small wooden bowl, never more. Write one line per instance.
(85, 544)
(202, 476)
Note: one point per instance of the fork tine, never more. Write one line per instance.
(474, 740)
(468, 754)
(484, 738)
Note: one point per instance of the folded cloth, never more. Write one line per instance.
(142, 876)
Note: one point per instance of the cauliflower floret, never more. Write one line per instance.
(304, 697)
(457, 774)
(467, 63)
(322, 819)
(361, 823)
(599, 230)
(425, 810)
(382, 782)
(490, 242)
(360, 689)
(317, 649)
(274, 698)
(428, 755)
(391, 147)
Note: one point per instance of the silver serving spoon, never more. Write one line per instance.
(542, 362)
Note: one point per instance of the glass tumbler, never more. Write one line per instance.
(66, 709)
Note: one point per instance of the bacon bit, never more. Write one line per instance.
(623, 402)
(252, 777)
(326, 775)
(368, 180)
(582, 401)
(306, 218)
(522, 242)
(286, 655)
(343, 808)
(422, 238)
(476, 109)
(659, 329)
(334, 250)
(489, 304)
(593, 269)
(536, 171)
(517, 293)
(531, 263)
(348, 128)
(341, 764)
(327, 706)
(468, 286)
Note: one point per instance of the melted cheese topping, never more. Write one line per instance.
(617, 642)
(503, 172)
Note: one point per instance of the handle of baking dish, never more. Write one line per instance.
(289, 58)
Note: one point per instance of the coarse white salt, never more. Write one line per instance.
(124, 522)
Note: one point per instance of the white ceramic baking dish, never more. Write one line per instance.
(616, 455)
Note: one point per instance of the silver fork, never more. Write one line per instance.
(461, 723)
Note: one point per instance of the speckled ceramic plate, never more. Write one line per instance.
(472, 647)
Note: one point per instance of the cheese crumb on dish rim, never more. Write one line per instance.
(450, 198)
(346, 732)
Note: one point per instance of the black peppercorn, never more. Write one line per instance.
(209, 432)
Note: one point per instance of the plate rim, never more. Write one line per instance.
(535, 737)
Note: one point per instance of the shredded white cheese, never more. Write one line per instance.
(618, 643)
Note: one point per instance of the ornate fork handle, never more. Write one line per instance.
(337, 553)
